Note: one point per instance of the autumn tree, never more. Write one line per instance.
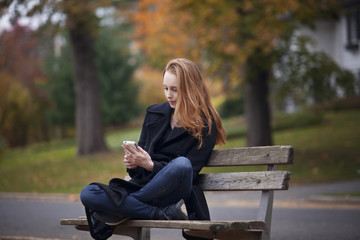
(160, 32)
(83, 27)
(16, 105)
(236, 37)
(22, 99)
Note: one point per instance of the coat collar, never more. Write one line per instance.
(165, 110)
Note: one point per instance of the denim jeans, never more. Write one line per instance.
(170, 185)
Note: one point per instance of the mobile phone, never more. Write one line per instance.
(133, 144)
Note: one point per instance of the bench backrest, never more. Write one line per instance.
(248, 181)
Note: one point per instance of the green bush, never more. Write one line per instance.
(232, 107)
(338, 104)
(280, 122)
(295, 120)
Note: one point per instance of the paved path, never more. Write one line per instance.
(300, 211)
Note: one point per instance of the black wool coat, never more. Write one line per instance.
(178, 143)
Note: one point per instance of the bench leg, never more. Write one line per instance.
(265, 212)
(136, 233)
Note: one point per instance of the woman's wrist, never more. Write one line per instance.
(150, 165)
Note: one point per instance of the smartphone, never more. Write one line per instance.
(133, 144)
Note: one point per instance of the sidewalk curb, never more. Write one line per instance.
(334, 199)
(25, 238)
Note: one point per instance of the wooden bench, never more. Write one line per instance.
(266, 181)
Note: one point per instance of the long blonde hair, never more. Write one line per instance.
(194, 109)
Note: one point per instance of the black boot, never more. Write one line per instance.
(176, 211)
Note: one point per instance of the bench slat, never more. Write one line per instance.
(252, 156)
(197, 225)
(179, 224)
(244, 181)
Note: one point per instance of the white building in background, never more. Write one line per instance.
(340, 38)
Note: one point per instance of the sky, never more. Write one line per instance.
(35, 21)
(25, 21)
(32, 22)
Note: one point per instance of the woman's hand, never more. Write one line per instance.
(137, 158)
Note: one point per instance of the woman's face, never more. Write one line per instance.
(170, 87)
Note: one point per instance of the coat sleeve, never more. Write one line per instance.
(143, 134)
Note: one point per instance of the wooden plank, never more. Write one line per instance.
(266, 155)
(74, 221)
(179, 224)
(197, 224)
(244, 181)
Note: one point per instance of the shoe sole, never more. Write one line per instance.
(117, 223)
(107, 220)
(183, 210)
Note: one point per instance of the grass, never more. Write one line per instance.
(325, 150)
(52, 167)
(328, 152)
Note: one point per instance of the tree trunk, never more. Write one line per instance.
(257, 109)
(88, 123)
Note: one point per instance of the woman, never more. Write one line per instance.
(176, 141)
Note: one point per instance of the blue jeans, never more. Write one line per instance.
(170, 185)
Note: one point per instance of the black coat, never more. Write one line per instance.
(178, 143)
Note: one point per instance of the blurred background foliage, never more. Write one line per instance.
(315, 77)
(134, 40)
(116, 69)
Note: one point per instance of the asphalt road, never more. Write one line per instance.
(296, 215)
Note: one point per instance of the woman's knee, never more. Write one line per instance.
(182, 162)
(182, 165)
(88, 193)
